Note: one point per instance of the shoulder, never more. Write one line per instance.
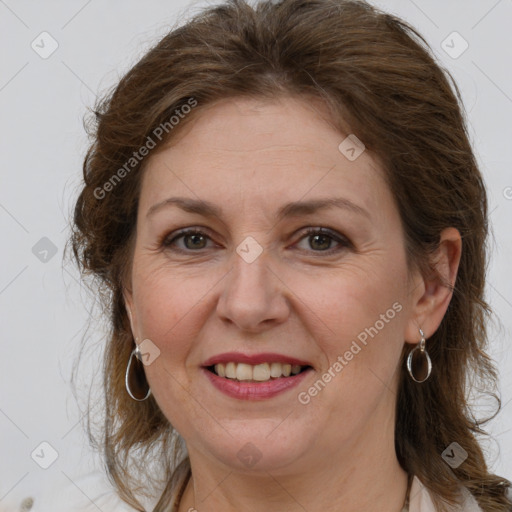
(421, 499)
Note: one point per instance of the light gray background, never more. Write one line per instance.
(43, 308)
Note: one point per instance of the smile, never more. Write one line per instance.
(256, 373)
(255, 377)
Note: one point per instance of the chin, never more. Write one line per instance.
(257, 448)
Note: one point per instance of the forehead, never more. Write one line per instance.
(275, 150)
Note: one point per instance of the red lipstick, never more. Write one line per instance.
(253, 359)
(252, 390)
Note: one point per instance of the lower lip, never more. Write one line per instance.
(255, 390)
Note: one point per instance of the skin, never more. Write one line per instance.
(249, 157)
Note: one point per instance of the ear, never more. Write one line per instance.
(431, 294)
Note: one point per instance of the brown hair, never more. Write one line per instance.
(381, 82)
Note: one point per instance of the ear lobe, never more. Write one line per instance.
(430, 308)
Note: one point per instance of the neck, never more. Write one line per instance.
(363, 475)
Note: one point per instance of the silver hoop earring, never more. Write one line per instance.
(424, 365)
(135, 379)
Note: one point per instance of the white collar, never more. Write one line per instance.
(420, 499)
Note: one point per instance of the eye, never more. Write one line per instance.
(320, 239)
(192, 238)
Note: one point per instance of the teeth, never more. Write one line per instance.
(231, 371)
(221, 370)
(276, 369)
(243, 371)
(259, 372)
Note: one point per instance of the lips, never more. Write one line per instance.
(254, 359)
(255, 367)
(256, 376)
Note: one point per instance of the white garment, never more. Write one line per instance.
(420, 499)
(91, 494)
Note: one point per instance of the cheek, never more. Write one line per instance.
(357, 304)
(370, 324)
(365, 312)
(170, 305)
(161, 301)
(168, 309)
(362, 349)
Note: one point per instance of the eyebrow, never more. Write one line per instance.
(292, 209)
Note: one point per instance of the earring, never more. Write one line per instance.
(135, 378)
(424, 365)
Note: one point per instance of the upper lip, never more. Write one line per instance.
(253, 359)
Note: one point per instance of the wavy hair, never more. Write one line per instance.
(380, 80)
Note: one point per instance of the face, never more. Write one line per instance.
(293, 261)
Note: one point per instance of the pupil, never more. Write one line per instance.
(194, 238)
(325, 238)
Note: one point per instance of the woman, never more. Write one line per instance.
(284, 210)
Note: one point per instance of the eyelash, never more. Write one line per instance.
(167, 241)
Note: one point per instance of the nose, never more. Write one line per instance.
(253, 297)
